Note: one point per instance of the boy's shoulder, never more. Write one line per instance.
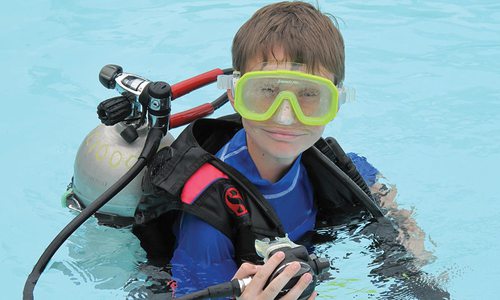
(366, 169)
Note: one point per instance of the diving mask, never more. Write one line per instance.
(259, 94)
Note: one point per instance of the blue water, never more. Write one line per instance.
(427, 81)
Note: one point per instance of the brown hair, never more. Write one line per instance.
(306, 35)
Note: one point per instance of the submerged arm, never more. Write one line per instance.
(411, 236)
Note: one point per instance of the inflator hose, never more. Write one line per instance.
(331, 148)
(150, 147)
(366, 200)
(346, 164)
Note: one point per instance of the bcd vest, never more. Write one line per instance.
(187, 177)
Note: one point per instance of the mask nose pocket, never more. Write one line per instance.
(284, 114)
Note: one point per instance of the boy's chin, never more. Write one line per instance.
(284, 152)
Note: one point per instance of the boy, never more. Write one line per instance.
(289, 67)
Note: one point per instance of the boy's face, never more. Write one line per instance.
(282, 137)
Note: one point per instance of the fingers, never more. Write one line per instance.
(255, 289)
(299, 288)
(245, 270)
(260, 278)
(275, 286)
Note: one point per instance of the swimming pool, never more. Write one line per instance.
(426, 75)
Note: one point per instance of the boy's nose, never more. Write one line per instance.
(285, 114)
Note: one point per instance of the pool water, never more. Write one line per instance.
(427, 82)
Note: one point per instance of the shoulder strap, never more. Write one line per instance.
(346, 189)
(199, 181)
(270, 224)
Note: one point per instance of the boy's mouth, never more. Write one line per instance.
(285, 135)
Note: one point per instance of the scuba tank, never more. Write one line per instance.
(112, 148)
(103, 157)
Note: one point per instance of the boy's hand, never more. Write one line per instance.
(255, 289)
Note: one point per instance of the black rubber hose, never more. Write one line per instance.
(226, 289)
(195, 296)
(346, 164)
(366, 200)
(150, 147)
(220, 101)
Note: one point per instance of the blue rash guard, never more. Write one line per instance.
(204, 256)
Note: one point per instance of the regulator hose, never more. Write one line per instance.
(231, 289)
(150, 147)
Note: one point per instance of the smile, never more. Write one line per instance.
(283, 135)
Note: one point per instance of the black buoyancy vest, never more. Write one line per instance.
(230, 203)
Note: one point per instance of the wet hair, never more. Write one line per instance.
(305, 34)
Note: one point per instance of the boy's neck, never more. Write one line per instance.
(270, 168)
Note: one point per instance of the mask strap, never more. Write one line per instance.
(228, 82)
(346, 94)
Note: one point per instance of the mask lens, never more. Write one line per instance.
(314, 99)
(259, 94)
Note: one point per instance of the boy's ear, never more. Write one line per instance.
(230, 96)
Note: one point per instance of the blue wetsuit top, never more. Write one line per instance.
(204, 256)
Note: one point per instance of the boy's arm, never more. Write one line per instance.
(410, 235)
(203, 256)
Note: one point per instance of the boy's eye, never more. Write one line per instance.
(309, 92)
(268, 90)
